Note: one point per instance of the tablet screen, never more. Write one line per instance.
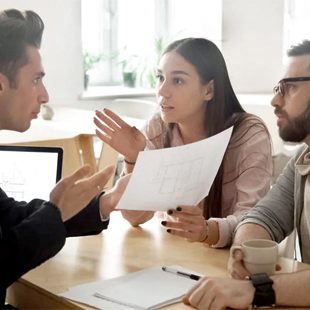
(29, 172)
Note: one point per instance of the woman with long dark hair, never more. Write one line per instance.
(197, 101)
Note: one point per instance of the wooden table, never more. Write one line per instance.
(119, 250)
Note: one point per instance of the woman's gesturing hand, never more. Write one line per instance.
(187, 222)
(125, 139)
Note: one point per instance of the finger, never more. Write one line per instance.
(103, 127)
(192, 289)
(237, 269)
(138, 135)
(240, 272)
(185, 226)
(236, 275)
(192, 210)
(116, 118)
(78, 175)
(237, 255)
(208, 302)
(185, 217)
(108, 121)
(185, 300)
(94, 184)
(103, 137)
(184, 234)
(197, 296)
(101, 178)
(215, 304)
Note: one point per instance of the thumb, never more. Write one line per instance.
(185, 300)
(102, 177)
(139, 136)
(238, 255)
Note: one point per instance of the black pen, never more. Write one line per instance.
(180, 273)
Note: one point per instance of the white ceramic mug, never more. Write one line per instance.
(259, 255)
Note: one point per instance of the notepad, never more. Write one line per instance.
(147, 289)
(144, 290)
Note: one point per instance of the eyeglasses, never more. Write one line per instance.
(280, 87)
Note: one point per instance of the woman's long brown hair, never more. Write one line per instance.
(222, 111)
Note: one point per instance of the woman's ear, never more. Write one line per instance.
(209, 90)
(4, 83)
(1, 82)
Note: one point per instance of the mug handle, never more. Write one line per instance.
(234, 248)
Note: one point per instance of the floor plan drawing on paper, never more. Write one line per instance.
(12, 182)
(179, 177)
(174, 176)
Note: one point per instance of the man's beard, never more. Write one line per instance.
(297, 128)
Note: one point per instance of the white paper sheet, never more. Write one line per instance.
(166, 178)
(146, 289)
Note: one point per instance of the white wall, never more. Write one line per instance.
(61, 47)
(253, 43)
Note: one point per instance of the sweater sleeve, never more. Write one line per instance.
(247, 176)
(31, 233)
(275, 212)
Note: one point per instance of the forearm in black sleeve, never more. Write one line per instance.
(32, 241)
(88, 221)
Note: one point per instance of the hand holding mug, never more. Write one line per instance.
(259, 255)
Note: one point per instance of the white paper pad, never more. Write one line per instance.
(146, 289)
(166, 178)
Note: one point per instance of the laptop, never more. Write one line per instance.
(28, 172)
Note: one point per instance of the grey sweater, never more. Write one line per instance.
(279, 212)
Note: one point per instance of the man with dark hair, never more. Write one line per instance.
(285, 208)
(31, 233)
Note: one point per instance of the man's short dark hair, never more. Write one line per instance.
(300, 49)
(17, 31)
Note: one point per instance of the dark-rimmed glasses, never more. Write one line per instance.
(280, 87)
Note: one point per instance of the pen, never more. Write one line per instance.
(189, 275)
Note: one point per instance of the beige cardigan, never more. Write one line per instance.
(246, 179)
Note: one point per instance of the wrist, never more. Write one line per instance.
(105, 204)
(133, 157)
(264, 293)
(207, 232)
(213, 236)
(129, 162)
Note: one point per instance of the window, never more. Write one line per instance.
(296, 22)
(131, 34)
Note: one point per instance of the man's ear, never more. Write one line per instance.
(209, 90)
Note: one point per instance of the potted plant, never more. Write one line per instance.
(148, 75)
(129, 64)
(90, 61)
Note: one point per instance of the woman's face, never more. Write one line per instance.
(180, 94)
